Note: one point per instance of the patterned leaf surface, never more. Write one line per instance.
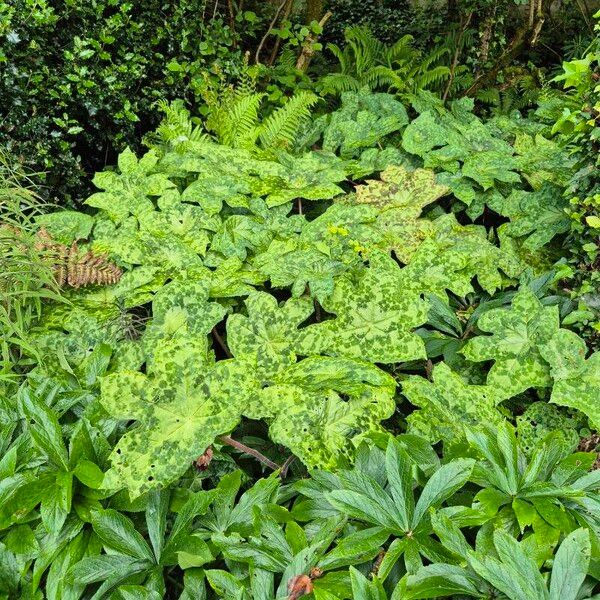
(267, 336)
(517, 335)
(362, 120)
(536, 216)
(399, 197)
(447, 143)
(322, 407)
(128, 193)
(178, 419)
(576, 380)
(448, 405)
(456, 255)
(182, 318)
(375, 317)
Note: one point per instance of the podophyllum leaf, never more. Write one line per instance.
(361, 121)
(301, 266)
(128, 193)
(66, 226)
(444, 141)
(182, 318)
(457, 254)
(268, 336)
(399, 197)
(536, 216)
(308, 414)
(375, 317)
(576, 380)
(518, 334)
(179, 418)
(542, 160)
(448, 405)
(570, 565)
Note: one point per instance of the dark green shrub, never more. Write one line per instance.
(78, 80)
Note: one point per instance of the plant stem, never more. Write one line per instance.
(221, 343)
(286, 465)
(247, 450)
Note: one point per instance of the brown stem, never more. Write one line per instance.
(286, 466)
(510, 52)
(457, 51)
(270, 28)
(284, 17)
(221, 343)
(247, 450)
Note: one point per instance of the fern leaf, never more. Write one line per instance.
(280, 128)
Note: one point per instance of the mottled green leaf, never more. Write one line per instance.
(517, 335)
(267, 337)
(375, 317)
(322, 407)
(576, 380)
(178, 419)
(448, 405)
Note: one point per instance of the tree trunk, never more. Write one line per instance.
(314, 10)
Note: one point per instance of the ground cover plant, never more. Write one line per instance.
(337, 343)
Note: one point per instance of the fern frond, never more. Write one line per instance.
(279, 129)
(239, 128)
(337, 83)
(401, 51)
(431, 77)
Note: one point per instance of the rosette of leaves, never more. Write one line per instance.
(376, 314)
(385, 500)
(505, 566)
(544, 496)
(518, 335)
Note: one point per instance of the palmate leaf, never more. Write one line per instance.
(362, 121)
(518, 334)
(375, 317)
(542, 160)
(128, 193)
(456, 255)
(182, 318)
(321, 408)
(179, 415)
(576, 380)
(447, 143)
(267, 337)
(448, 405)
(536, 216)
(399, 198)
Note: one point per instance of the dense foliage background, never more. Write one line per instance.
(299, 299)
